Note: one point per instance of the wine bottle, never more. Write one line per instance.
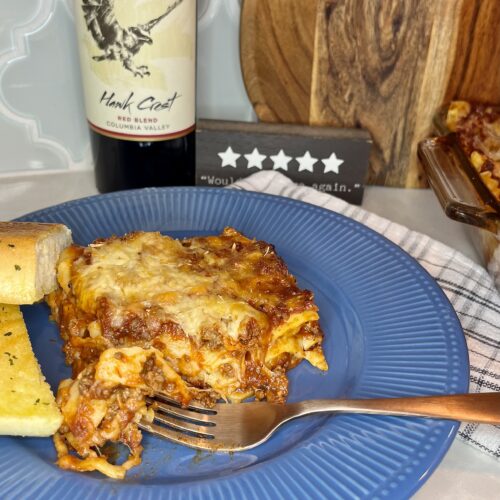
(138, 63)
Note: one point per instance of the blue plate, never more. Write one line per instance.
(390, 331)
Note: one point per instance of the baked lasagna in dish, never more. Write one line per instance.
(478, 131)
(201, 319)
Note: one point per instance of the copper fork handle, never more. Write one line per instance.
(481, 408)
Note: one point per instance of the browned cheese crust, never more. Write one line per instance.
(216, 317)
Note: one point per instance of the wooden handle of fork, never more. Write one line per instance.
(481, 408)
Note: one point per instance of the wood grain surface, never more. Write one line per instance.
(276, 50)
(476, 71)
(389, 65)
(382, 65)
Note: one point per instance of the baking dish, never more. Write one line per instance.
(461, 192)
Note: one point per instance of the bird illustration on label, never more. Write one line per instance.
(118, 43)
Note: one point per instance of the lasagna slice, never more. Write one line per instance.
(478, 131)
(201, 319)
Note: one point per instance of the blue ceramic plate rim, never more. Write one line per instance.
(411, 482)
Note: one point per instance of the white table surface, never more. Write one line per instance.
(464, 473)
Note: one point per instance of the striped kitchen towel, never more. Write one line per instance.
(468, 286)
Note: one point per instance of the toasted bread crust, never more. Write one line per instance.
(26, 247)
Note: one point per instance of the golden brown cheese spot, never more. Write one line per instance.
(211, 338)
(200, 319)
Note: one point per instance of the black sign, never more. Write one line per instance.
(331, 160)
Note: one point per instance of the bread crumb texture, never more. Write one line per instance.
(28, 257)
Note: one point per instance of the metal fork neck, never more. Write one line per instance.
(482, 408)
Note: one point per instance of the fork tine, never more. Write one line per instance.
(186, 414)
(177, 437)
(228, 428)
(180, 425)
(198, 443)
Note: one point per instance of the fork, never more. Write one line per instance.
(237, 427)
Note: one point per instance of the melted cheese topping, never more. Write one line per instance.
(204, 318)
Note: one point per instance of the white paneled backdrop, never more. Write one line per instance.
(42, 119)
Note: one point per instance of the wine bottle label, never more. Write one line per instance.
(138, 66)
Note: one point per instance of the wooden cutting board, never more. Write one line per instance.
(277, 53)
(385, 66)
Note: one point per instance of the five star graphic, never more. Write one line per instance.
(281, 160)
(332, 163)
(229, 157)
(306, 162)
(255, 159)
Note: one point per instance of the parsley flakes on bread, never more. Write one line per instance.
(28, 256)
(27, 405)
(29, 253)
